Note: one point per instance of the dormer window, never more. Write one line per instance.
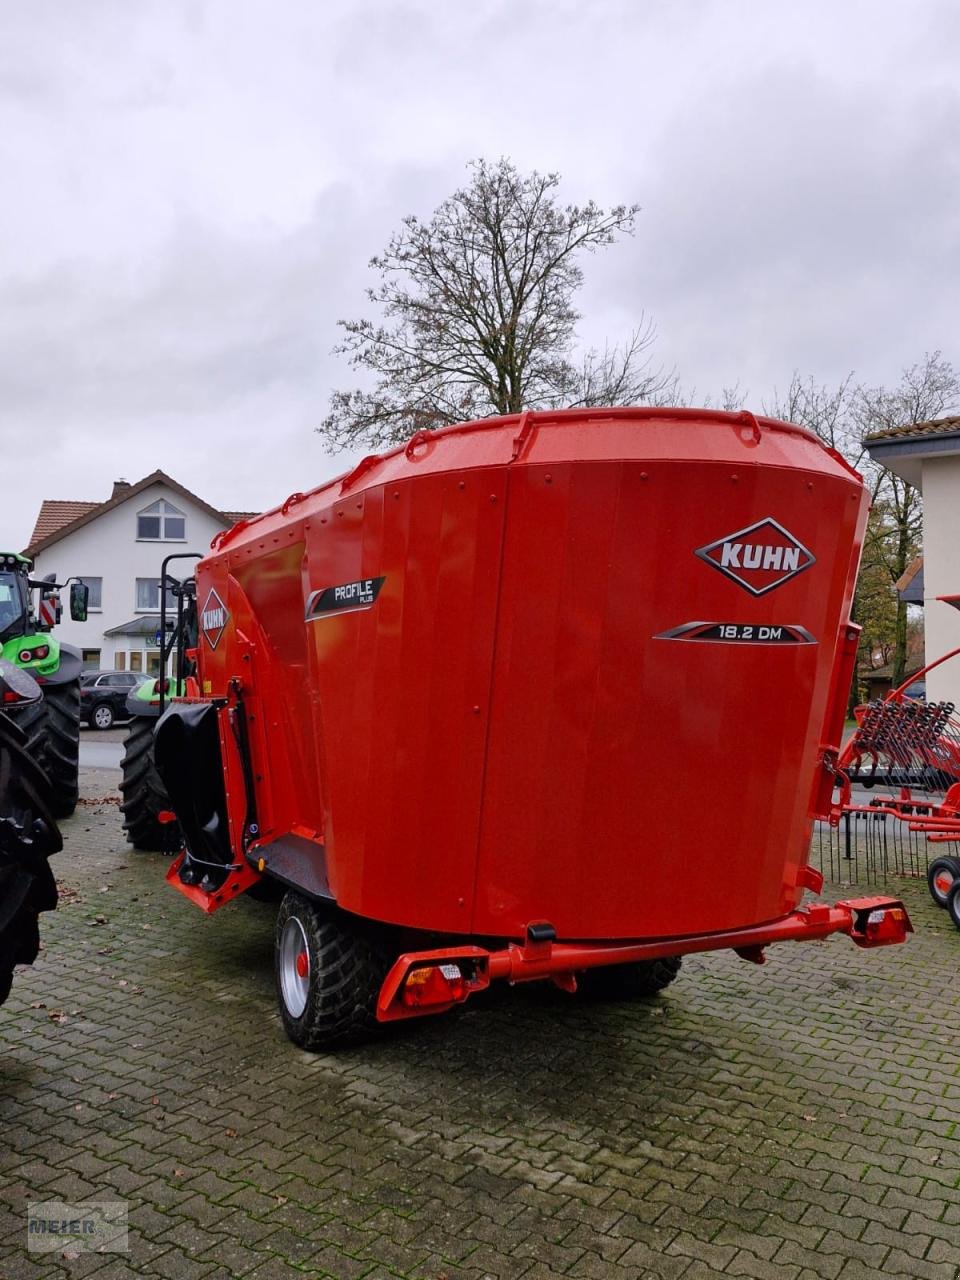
(161, 522)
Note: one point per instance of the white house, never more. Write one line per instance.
(116, 547)
(927, 455)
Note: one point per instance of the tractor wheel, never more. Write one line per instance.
(144, 795)
(328, 972)
(630, 981)
(20, 936)
(953, 903)
(941, 877)
(31, 719)
(61, 748)
(28, 836)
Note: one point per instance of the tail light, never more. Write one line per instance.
(433, 984)
(34, 655)
(881, 925)
(888, 924)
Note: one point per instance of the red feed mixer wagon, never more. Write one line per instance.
(448, 701)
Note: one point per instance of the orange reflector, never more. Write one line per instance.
(433, 984)
(886, 925)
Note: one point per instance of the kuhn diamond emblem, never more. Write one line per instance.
(213, 619)
(760, 557)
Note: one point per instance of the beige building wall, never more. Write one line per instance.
(941, 572)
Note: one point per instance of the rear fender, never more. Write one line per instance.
(62, 663)
(144, 700)
(68, 668)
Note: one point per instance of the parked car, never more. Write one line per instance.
(103, 696)
(916, 690)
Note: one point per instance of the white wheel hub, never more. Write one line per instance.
(294, 967)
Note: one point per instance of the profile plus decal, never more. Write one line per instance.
(739, 633)
(213, 618)
(346, 598)
(760, 557)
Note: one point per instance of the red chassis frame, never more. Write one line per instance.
(869, 922)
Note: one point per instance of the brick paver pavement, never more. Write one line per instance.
(792, 1122)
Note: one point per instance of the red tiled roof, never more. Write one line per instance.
(937, 427)
(55, 513)
(58, 518)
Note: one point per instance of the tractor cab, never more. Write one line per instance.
(14, 597)
(18, 617)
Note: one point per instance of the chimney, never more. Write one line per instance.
(119, 488)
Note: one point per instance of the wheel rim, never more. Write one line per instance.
(294, 967)
(102, 718)
(942, 884)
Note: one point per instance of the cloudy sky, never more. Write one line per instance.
(191, 192)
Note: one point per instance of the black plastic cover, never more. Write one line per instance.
(188, 759)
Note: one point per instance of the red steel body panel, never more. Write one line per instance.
(505, 734)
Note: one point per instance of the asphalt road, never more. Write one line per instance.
(101, 750)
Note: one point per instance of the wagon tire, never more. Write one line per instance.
(328, 970)
(953, 903)
(144, 795)
(6, 982)
(634, 981)
(61, 749)
(942, 874)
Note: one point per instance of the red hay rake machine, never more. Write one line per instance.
(905, 754)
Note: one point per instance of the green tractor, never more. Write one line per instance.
(50, 726)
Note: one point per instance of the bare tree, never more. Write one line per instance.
(621, 375)
(477, 314)
(821, 409)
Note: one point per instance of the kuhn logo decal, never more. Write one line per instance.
(760, 557)
(213, 619)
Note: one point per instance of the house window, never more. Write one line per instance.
(120, 660)
(153, 662)
(90, 659)
(136, 660)
(95, 586)
(148, 595)
(161, 522)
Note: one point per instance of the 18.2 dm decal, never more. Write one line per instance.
(758, 558)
